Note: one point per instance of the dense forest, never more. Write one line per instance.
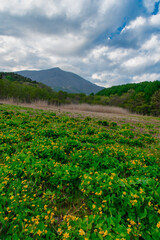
(23, 89)
(143, 98)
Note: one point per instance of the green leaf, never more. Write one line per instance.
(143, 215)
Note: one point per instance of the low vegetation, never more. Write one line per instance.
(77, 178)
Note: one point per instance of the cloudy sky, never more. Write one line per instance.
(108, 42)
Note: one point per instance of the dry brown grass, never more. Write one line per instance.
(95, 108)
(68, 107)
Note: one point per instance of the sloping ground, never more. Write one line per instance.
(58, 80)
(66, 177)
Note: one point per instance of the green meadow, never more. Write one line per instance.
(66, 177)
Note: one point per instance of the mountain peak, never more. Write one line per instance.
(58, 79)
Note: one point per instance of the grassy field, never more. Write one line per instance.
(70, 176)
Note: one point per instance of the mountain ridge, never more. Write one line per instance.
(58, 79)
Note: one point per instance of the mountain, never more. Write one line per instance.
(58, 80)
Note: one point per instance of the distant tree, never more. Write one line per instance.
(155, 103)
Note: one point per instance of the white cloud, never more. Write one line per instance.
(151, 43)
(149, 4)
(37, 34)
(146, 77)
(138, 22)
(155, 20)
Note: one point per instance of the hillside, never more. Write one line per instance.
(22, 89)
(67, 178)
(58, 80)
(143, 98)
(137, 97)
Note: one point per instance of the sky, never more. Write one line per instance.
(108, 42)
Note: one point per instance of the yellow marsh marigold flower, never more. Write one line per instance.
(81, 232)
(66, 235)
(45, 207)
(141, 190)
(105, 233)
(132, 222)
(39, 232)
(69, 227)
(158, 224)
(59, 231)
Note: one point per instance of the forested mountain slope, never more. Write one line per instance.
(21, 88)
(137, 97)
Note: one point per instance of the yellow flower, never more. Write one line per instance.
(149, 204)
(46, 217)
(132, 222)
(66, 235)
(129, 230)
(105, 233)
(81, 232)
(141, 190)
(45, 207)
(158, 224)
(94, 206)
(39, 232)
(11, 197)
(59, 231)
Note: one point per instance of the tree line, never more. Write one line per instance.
(143, 98)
